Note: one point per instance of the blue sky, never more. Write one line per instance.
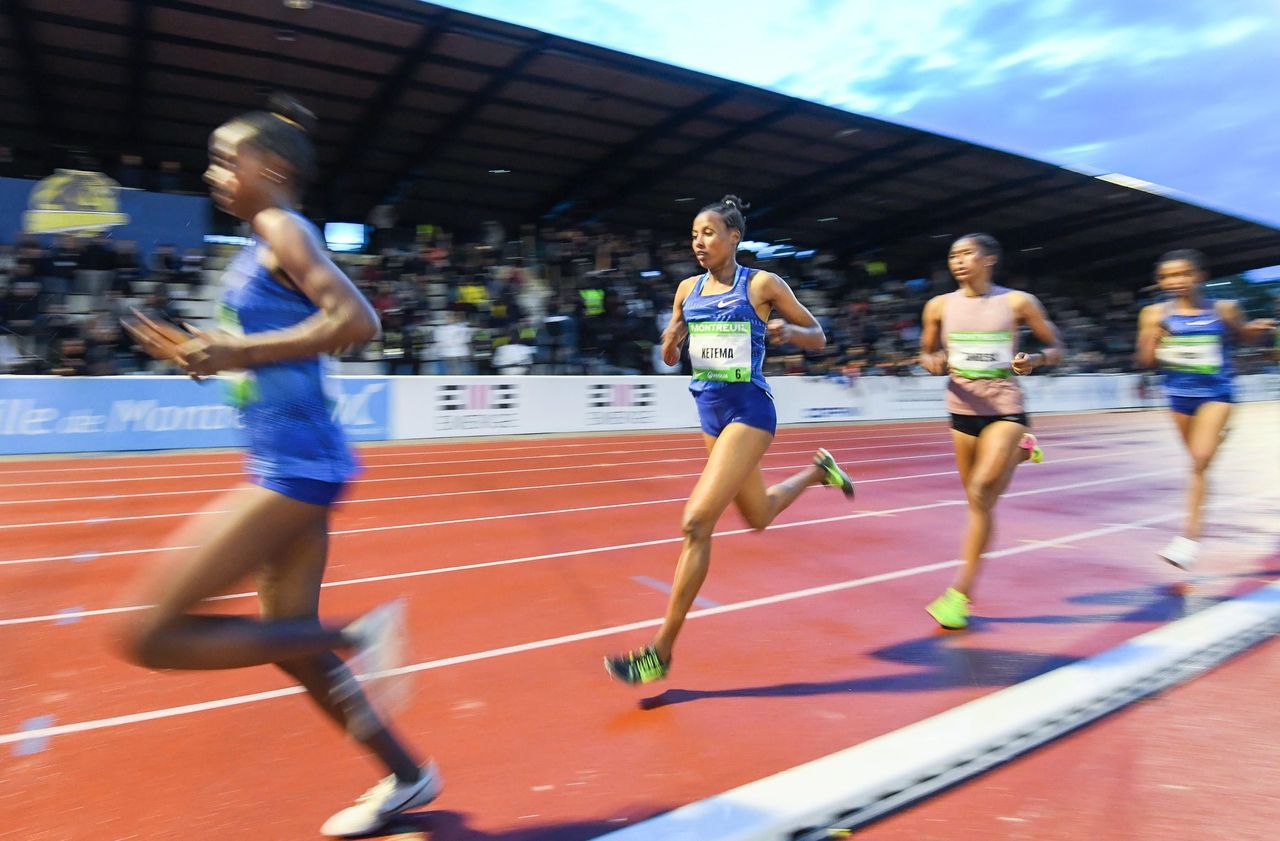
(1181, 93)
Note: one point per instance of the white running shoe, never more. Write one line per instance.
(380, 804)
(379, 639)
(1182, 552)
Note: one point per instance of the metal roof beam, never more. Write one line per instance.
(184, 40)
(675, 163)
(299, 22)
(1038, 232)
(593, 174)
(1222, 261)
(379, 110)
(1154, 240)
(1052, 229)
(30, 71)
(919, 221)
(796, 196)
(1267, 243)
(459, 120)
(1219, 253)
(139, 62)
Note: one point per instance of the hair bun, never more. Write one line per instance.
(731, 200)
(292, 111)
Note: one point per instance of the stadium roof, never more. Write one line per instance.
(456, 119)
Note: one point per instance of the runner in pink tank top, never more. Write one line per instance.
(980, 334)
(972, 335)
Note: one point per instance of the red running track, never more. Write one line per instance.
(1198, 761)
(524, 561)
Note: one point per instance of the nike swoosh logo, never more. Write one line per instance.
(407, 796)
(722, 304)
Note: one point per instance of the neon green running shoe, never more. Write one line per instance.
(950, 610)
(640, 666)
(832, 474)
(1030, 443)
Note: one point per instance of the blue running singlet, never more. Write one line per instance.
(285, 407)
(1196, 355)
(726, 336)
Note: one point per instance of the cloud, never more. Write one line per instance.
(1200, 118)
(1181, 94)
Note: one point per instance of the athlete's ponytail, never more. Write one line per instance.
(730, 209)
(284, 129)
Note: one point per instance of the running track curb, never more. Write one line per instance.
(852, 787)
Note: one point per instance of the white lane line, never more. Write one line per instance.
(111, 497)
(363, 481)
(397, 527)
(808, 592)
(382, 466)
(791, 435)
(367, 457)
(596, 550)
(366, 500)
(370, 479)
(833, 445)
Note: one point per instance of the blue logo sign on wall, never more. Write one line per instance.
(105, 414)
(363, 407)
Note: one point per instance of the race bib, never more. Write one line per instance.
(720, 351)
(980, 356)
(240, 388)
(1191, 354)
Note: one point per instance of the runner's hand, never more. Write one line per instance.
(778, 331)
(935, 363)
(1025, 363)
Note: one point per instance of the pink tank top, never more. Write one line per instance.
(980, 335)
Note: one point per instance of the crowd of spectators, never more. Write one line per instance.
(61, 304)
(574, 300)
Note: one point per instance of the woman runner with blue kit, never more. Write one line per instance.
(972, 335)
(722, 312)
(1190, 339)
(284, 307)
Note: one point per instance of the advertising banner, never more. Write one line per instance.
(107, 414)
